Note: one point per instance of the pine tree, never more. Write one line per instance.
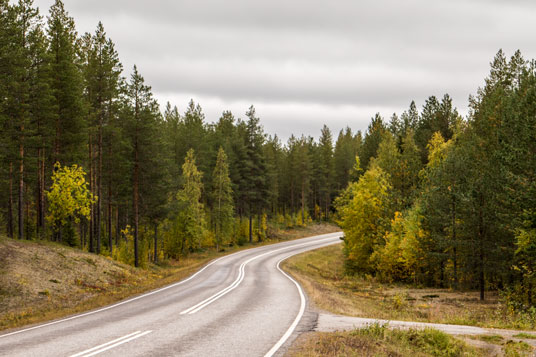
(102, 82)
(255, 174)
(67, 87)
(140, 115)
(326, 173)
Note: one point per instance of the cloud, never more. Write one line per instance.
(335, 60)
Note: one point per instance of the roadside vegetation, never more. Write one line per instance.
(45, 280)
(322, 273)
(442, 201)
(378, 340)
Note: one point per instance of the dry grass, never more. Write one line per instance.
(379, 341)
(321, 272)
(41, 280)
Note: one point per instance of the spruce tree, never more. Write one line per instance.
(222, 198)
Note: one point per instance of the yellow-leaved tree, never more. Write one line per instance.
(364, 216)
(69, 199)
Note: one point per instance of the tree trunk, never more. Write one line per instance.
(454, 243)
(91, 188)
(481, 279)
(39, 212)
(117, 225)
(135, 201)
(10, 226)
(303, 203)
(99, 187)
(250, 227)
(110, 241)
(259, 238)
(155, 242)
(42, 192)
(27, 235)
(21, 184)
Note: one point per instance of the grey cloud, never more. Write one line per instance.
(296, 55)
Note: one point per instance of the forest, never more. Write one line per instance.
(446, 201)
(88, 158)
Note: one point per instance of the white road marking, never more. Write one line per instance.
(119, 303)
(241, 274)
(109, 345)
(105, 344)
(292, 327)
(125, 301)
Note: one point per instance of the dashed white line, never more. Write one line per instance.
(111, 344)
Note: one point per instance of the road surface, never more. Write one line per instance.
(242, 304)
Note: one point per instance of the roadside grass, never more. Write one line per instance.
(505, 347)
(321, 273)
(42, 280)
(524, 335)
(377, 340)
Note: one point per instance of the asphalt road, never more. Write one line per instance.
(242, 304)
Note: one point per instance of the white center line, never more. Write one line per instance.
(111, 344)
(241, 274)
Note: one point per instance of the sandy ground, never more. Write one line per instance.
(330, 323)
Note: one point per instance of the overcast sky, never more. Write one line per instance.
(303, 63)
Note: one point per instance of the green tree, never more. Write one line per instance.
(222, 198)
(140, 113)
(192, 214)
(255, 173)
(371, 142)
(102, 85)
(326, 170)
(67, 87)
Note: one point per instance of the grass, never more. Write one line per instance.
(377, 340)
(42, 280)
(507, 347)
(524, 335)
(321, 273)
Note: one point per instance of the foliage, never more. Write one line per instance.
(69, 197)
(364, 217)
(223, 206)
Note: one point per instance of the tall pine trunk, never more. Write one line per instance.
(135, 200)
(109, 216)
(481, 233)
(39, 206)
(117, 225)
(91, 188)
(99, 188)
(10, 225)
(455, 244)
(21, 183)
(250, 227)
(156, 242)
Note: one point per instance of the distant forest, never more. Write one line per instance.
(426, 196)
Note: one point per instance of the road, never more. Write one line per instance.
(242, 304)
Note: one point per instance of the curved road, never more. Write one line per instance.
(242, 304)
